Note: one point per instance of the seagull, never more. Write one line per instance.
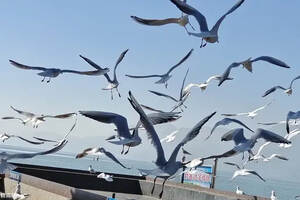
(243, 171)
(291, 116)
(99, 151)
(210, 36)
(54, 72)
(194, 163)
(247, 64)
(238, 190)
(182, 96)
(227, 121)
(91, 170)
(273, 196)
(267, 159)
(4, 157)
(37, 119)
(107, 177)
(204, 85)
(243, 144)
(57, 142)
(250, 114)
(289, 136)
(182, 21)
(164, 77)
(258, 154)
(170, 137)
(165, 169)
(288, 90)
(113, 83)
(17, 194)
(6, 136)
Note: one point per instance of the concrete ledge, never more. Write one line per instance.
(47, 190)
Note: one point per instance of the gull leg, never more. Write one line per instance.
(186, 30)
(201, 43)
(204, 44)
(191, 26)
(111, 94)
(153, 185)
(49, 80)
(127, 150)
(162, 189)
(122, 150)
(118, 92)
(166, 84)
(243, 156)
(43, 79)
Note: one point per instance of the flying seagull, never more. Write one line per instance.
(210, 36)
(204, 85)
(247, 144)
(6, 136)
(182, 96)
(35, 119)
(169, 138)
(250, 114)
(165, 169)
(99, 151)
(247, 64)
(243, 172)
(164, 77)
(227, 121)
(4, 157)
(54, 72)
(288, 90)
(113, 83)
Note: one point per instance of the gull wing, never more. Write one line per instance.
(29, 141)
(187, 9)
(238, 114)
(13, 118)
(215, 28)
(44, 140)
(93, 64)
(190, 136)
(31, 155)
(229, 153)
(89, 73)
(232, 164)
(155, 22)
(271, 60)
(273, 89)
(262, 107)
(237, 135)
(112, 157)
(296, 78)
(225, 75)
(271, 123)
(227, 121)
(105, 117)
(181, 61)
(27, 114)
(62, 116)
(151, 109)
(256, 174)
(122, 55)
(151, 133)
(182, 93)
(163, 95)
(185, 151)
(164, 117)
(269, 136)
(148, 76)
(26, 67)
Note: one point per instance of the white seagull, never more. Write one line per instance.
(243, 172)
(5, 136)
(54, 72)
(107, 177)
(288, 90)
(35, 119)
(165, 169)
(210, 36)
(164, 77)
(169, 138)
(238, 190)
(17, 195)
(113, 83)
(250, 114)
(91, 170)
(273, 196)
(99, 151)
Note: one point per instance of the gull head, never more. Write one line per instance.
(211, 39)
(289, 91)
(184, 20)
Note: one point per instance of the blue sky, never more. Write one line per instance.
(54, 33)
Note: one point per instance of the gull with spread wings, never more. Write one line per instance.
(5, 136)
(35, 119)
(164, 77)
(54, 72)
(166, 168)
(288, 90)
(113, 83)
(210, 36)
